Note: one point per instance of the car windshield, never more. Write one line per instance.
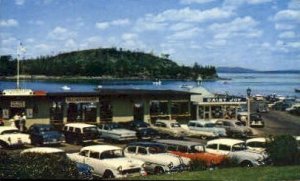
(44, 129)
(141, 125)
(210, 125)
(111, 154)
(239, 147)
(239, 123)
(10, 131)
(157, 149)
(175, 125)
(115, 126)
(90, 130)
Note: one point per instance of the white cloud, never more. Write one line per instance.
(284, 26)
(216, 42)
(60, 33)
(19, 2)
(129, 36)
(132, 41)
(195, 1)
(70, 43)
(295, 45)
(294, 4)
(120, 22)
(258, 1)
(180, 26)
(9, 23)
(245, 27)
(186, 34)
(287, 34)
(234, 4)
(102, 25)
(30, 40)
(288, 14)
(9, 41)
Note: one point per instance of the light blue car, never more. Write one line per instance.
(207, 126)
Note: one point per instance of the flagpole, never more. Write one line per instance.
(18, 67)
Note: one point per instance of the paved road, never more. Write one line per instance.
(279, 122)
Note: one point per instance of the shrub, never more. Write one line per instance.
(197, 165)
(283, 150)
(37, 166)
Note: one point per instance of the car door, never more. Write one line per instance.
(212, 148)
(94, 161)
(33, 131)
(224, 149)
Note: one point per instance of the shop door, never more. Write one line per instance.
(138, 112)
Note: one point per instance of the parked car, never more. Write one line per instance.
(108, 161)
(169, 128)
(256, 144)
(237, 151)
(85, 171)
(207, 127)
(45, 134)
(192, 150)
(256, 120)
(81, 133)
(116, 132)
(143, 130)
(156, 158)
(234, 128)
(11, 136)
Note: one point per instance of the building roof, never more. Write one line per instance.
(201, 90)
(225, 141)
(101, 148)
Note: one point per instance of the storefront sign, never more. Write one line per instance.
(81, 99)
(17, 104)
(232, 99)
(17, 92)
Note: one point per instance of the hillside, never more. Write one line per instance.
(245, 70)
(110, 63)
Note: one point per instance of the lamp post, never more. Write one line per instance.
(248, 101)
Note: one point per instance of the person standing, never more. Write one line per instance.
(22, 122)
(17, 120)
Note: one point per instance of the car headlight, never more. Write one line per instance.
(170, 165)
(119, 168)
(143, 165)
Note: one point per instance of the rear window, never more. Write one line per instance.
(224, 147)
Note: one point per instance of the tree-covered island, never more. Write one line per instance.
(106, 63)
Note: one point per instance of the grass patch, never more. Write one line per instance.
(233, 174)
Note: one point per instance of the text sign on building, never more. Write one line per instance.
(17, 104)
(17, 92)
(232, 99)
(81, 99)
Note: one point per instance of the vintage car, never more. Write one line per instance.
(234, 128)
(143, 130)
(192, 150)
(256, 120)
(45, 134)
(156, 158)
(81, 133)
(169, 128)
(11, 136)
(108, 161)
(206, 126)
(237, 151)
(116, 132)
(257, 144)
(85, 171)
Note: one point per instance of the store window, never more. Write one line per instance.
(82, 112)
(216, 112)
(159, 107)
(180, 108)
(56, 112)
(230, 112)
(201, 112)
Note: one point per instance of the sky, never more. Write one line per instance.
(256, 34)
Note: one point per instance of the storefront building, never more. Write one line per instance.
(105, 105)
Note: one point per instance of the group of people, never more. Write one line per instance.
(19, 121)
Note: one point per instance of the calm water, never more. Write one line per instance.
(282, 84)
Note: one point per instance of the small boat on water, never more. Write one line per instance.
(297, 90)
(157, 82)
(65, 87)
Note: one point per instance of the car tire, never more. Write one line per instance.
(158, 170)
(3, 145)
(246, 163)
(108, 174)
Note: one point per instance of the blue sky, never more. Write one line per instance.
(259, 34)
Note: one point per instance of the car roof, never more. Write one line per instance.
(42, 150)
(100, 148)
(4, 128)
(145, 144)
(260, 139)
(201, 121)
(179, 142)
(166, 121)
(42, 125)
(79, 125)
(226, 141)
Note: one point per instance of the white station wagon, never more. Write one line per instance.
(11, 136)
(237, 150)
(206, 128)
(108, 161)
(116, 132)
(156, 157)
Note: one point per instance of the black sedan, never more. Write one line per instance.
(45, 134)
(143, 130)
